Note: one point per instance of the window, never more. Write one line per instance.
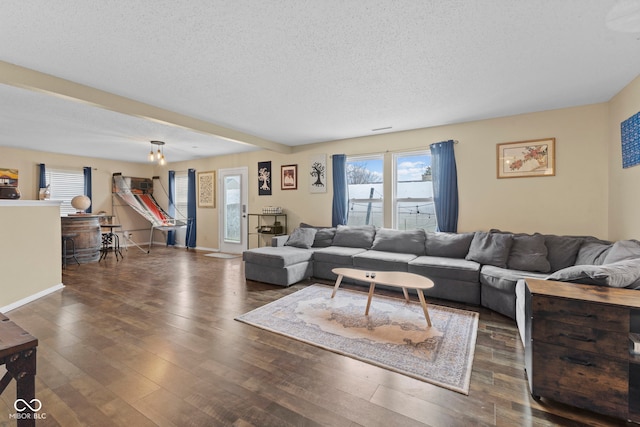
(182, 188)
(65, 185)
(413, 192)
(366, 194)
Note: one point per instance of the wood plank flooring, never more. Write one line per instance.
(151, 340)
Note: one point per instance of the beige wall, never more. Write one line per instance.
(624, 184)
(30, 263)
(571, 202)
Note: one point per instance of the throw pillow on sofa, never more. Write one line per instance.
(448, 245)
(593, 252)
(301, 238)
(621, 274)
(360, 236)
(490, 248)
(529, 253)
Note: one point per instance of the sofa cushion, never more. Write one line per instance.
(384, 261)
(341, 256)
(592, 253)
(448, 268)
(324, 235)
(562, 250)
(490, 248)
(528, 253)
(354, 236)
(301, 238)
(448, 245)
(399, 241)
(504, 279)
(622, 250)
(281, 257)
(619, 274)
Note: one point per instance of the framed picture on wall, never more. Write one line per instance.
(207, 189)
(536, 157)
(264, 178)
(289, 177)
(318, 173)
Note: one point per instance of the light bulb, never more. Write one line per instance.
(162, 161)
(158, 154)
(151, 156)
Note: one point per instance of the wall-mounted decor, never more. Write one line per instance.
(318, 173)
(289, 177)
(264, 178)
(8, 177)
(207, 189)
(630, 133)
(526, 158)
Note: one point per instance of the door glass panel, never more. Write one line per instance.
(232, 210)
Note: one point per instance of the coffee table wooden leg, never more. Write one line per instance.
(371, 288)
(335, 288)
(406, 295)
(424, 306)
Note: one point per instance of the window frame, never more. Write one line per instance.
(181, 195)
(377, 200)
(395, 200)
(60, 188)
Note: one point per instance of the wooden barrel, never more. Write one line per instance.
(85, 231)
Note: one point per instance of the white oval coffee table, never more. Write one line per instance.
(399, 279)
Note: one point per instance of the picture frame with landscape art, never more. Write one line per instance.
(207, 189)
(524, 159)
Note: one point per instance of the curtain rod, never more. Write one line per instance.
(455, 141)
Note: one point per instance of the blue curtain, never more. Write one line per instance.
(190, 240)
(171, 235)
(87, 186)
(42, 179)
(340, 191)
(445, 185)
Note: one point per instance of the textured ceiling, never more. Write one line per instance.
(297, 72)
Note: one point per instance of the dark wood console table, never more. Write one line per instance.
(577, 348)
(18, 354)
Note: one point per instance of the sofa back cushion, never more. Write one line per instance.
(352, 236)
(448, 245)
(324, 235)
(490, 248)
(593, 252)
(399, 241)
(529, 253)
(623, 250)
(562, 250)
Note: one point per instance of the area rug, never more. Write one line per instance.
(221, 255)
(394, 335)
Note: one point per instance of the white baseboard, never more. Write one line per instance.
(31, 298)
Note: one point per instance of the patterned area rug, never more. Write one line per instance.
(394, 336)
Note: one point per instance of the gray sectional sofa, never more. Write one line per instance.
(481, 268)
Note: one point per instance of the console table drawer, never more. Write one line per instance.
(582, 313)
(581, 337)
(582, 379)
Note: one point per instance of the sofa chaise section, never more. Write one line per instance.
(282, 266)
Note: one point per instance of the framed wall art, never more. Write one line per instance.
(289, 177)
(318, 173)
(264, 178)
(207, 189)
(523, 159)
(630, 134)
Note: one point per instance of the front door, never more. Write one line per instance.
(233, 197)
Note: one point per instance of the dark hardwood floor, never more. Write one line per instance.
(152, 340)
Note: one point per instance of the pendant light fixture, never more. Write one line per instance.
(159, 155)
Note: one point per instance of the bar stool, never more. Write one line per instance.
(66, 239)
